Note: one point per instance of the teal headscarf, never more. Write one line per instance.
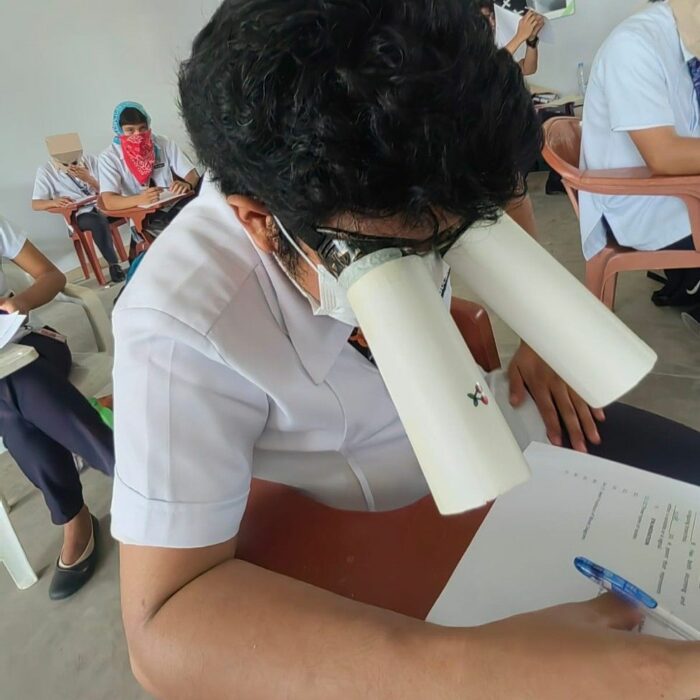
(119, 109)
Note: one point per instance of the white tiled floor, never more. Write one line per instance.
(75, 649)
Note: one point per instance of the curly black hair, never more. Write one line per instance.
(375, 107)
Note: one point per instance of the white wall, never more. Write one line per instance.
(577, 39)
(65, 64)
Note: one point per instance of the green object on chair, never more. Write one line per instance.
(105, 413)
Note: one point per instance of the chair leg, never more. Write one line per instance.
(118, 243)
(595, 269)
(610, 291)
(92, 256)
(79, 251)
(13, 556)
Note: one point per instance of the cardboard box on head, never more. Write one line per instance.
(687, 14)
(64, 149)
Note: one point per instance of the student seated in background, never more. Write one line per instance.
(529, 28)
(642, 109)
(322, 122)
(45, 420)
(59, 185)
(139, 165)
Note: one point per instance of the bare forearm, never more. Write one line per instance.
(116, 202)
(192, 178)
(530, 62)
(680, 156)
(514, 44)
(523, 213)
(42, 204)
(44, 289)
(241, 631)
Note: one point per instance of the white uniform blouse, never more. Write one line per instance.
(116, 177)
(639, 80)
(222, 372)
(50, 182)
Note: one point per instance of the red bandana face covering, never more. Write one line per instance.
(139, 155)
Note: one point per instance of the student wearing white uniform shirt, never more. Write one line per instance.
(642, 108)
(139, 165)
(59, 185)
(241, 359)
(44, 419)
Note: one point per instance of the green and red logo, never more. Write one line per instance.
(478, 396)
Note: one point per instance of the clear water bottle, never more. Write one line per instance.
(582, 82)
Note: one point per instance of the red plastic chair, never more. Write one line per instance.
(562, 152)
(84, 244)
(398, 560)
(137, 216)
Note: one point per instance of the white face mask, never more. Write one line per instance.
(333, 297)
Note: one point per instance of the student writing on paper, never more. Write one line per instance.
(44, 419)
(643, 109)
(352, 124)
(61, 184)
(139, 166)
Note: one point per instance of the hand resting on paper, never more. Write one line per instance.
(589, 653)
(179, 187)
(557, 402)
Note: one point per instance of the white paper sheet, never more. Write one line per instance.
(507, 27)
(642, 526)
(165, 196)
(9, 326)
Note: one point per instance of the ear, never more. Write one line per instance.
(255, 219)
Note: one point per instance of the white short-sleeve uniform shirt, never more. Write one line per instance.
(115, 176)
(12, 240)
(50, 182)
(639, 80)
(222, 372)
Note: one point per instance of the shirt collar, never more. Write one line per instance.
(317, 340)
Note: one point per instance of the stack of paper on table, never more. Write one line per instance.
(642, 526)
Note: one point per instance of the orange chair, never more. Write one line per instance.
(84, 244)
(562, 136)
(398, 560)
(137, 216)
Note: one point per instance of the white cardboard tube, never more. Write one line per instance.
(572, 331)
(463, 443)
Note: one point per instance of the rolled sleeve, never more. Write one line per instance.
(185, 428)
(636, 87)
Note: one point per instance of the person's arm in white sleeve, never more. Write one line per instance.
(48, 279)
(43, 196)
(639, 103)
(202, 624)
(110, 186)
(181, 165)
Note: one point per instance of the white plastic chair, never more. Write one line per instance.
(91, 374)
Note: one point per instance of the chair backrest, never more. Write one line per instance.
(399, 560)
(562, 152)
(562, 144)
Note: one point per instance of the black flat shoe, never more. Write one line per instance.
(116, 273)
(67, 581)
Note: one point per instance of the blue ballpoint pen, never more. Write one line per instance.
(610, 581)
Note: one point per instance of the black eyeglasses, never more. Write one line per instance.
(339, 248)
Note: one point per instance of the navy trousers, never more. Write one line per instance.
(641, 439)
(44, 419)
(102, 235)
